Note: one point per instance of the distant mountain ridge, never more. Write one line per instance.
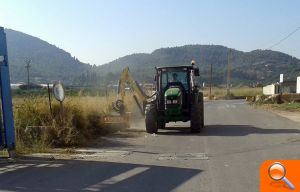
(50, 63)
(262, 66)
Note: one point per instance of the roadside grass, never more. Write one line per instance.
(37, 130)
(221, 92)
(293, 107)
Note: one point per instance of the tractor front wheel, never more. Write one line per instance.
(197, 114)
(151, 119)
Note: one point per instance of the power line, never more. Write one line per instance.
(283, 39)
(271, 40)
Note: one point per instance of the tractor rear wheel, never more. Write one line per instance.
(151, 119)
(197, 114)
(201, 103)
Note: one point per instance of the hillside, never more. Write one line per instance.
(263, 66)
(48, 62)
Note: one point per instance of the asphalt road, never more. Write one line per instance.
(224, 157)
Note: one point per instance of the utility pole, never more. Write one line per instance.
(27, 66)
(210, 84)
(228, 71)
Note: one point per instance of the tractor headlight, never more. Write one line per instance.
(169, 101)
(175, 101)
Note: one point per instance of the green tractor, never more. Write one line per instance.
(177, 98)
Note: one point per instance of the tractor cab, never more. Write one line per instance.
(180, 75)
(175, 86)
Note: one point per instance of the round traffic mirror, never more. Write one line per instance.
(58, 91)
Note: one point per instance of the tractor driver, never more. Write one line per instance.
(174, 79)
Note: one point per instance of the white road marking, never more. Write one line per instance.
(42, 165)
(55, 165)
(16, 167)
(116, 179)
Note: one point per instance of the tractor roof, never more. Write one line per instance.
(177, 67)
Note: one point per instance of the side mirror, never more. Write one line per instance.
(196, 72)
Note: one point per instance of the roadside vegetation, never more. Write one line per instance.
(290, 107)
(78, 124)
(293, 107)
(37, 129)
(236, 92)
(288, 102)
(284, 102)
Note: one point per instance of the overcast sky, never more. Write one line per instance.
(97, 31)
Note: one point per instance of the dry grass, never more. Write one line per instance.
(37, 129)
(236, 91)
(292, 107)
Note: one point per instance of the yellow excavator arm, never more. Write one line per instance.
(126, 79)
(138, 94)
(118, 106)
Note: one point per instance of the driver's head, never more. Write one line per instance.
(174, 76)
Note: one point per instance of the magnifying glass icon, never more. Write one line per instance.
(277, 172)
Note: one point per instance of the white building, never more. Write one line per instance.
(298, 84)
(271, 89)
(16, 85)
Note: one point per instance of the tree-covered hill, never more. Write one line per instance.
(263, 66)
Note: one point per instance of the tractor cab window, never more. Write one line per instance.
(174, 76)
